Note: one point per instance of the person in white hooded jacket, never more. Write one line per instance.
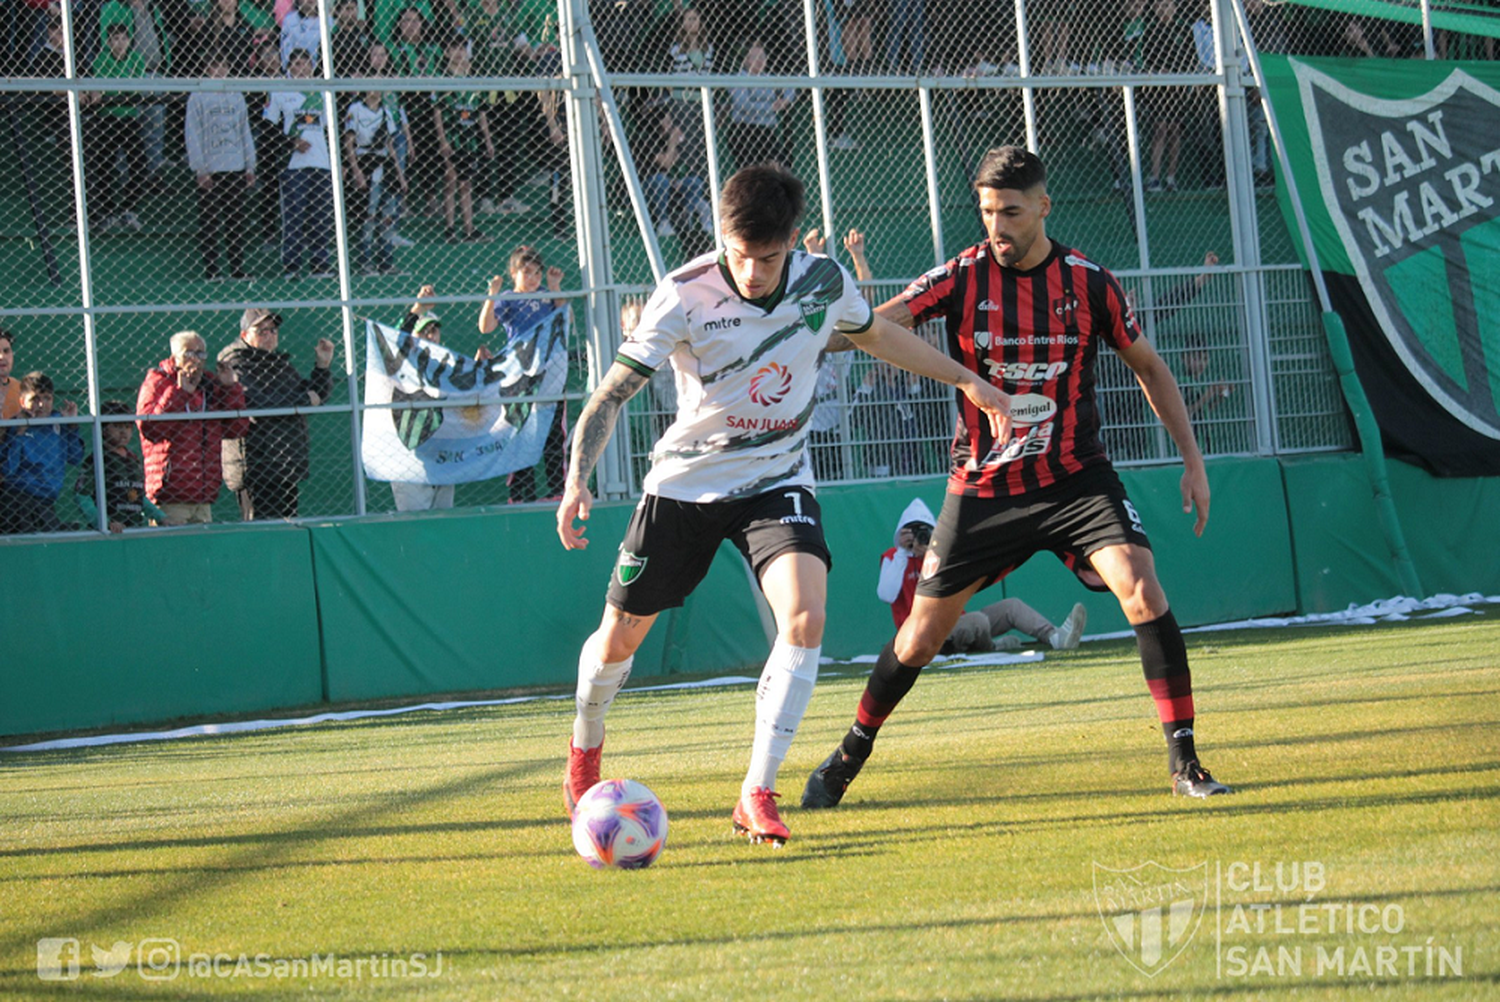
(977, 631)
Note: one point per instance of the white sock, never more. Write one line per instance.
(786, 687)
(598, 684)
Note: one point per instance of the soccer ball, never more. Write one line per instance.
(619, 823)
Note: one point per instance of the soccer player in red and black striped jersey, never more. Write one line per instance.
(1032, 315)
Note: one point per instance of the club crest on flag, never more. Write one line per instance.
(1151, 911)
(629, 567)
(1410, 185)
(814, 312)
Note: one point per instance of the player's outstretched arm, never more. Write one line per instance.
(903, 349)
(595, 425)
(1165, 398)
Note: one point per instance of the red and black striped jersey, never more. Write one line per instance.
(1034, 334)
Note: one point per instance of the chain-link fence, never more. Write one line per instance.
(448, 169)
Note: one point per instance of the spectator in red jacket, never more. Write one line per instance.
(183, 458)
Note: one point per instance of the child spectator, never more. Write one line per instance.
(221, 152)
(307, 182)
(36, 458)
(520, 318)
(114, 132)
(370, 150)
(124, 477)
(414, 424)
(10, 389)
(463, 128)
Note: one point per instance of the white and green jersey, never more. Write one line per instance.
(746, 371)
(301, 115)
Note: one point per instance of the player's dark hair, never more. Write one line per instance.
(36, 382)
(115, 408)
(1010, 167)
(762, 204)
(117, 28)
(6, 335)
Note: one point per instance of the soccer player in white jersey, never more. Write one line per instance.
(745, 330)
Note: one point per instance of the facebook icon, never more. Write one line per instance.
(57, 959)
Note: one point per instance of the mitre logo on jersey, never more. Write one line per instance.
(1065, 309)
(1411, 186)
(814, 312)
(988, 306)
(770, 385)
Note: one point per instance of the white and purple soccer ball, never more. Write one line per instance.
(619, 823)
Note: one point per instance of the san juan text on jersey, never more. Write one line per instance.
(1035, 334)
(746, 373)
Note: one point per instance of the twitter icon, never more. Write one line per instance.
(110, 962)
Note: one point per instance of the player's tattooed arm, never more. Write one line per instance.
(597, 422)
(595, 425)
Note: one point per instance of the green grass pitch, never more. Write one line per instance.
(961, 866)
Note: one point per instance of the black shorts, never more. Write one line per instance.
(670, 545)
(984, 539)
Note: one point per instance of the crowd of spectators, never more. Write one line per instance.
(265, 157)
(261, 163)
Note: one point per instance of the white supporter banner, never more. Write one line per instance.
(484, 432)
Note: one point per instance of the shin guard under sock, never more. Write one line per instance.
(889, 683)
(1165, 664)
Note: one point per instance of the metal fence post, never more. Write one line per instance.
(580, 52)
(929, 159)
(1028, 93)
(332, 133)
(820, 122)
(1239, 180)
(85, 269)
